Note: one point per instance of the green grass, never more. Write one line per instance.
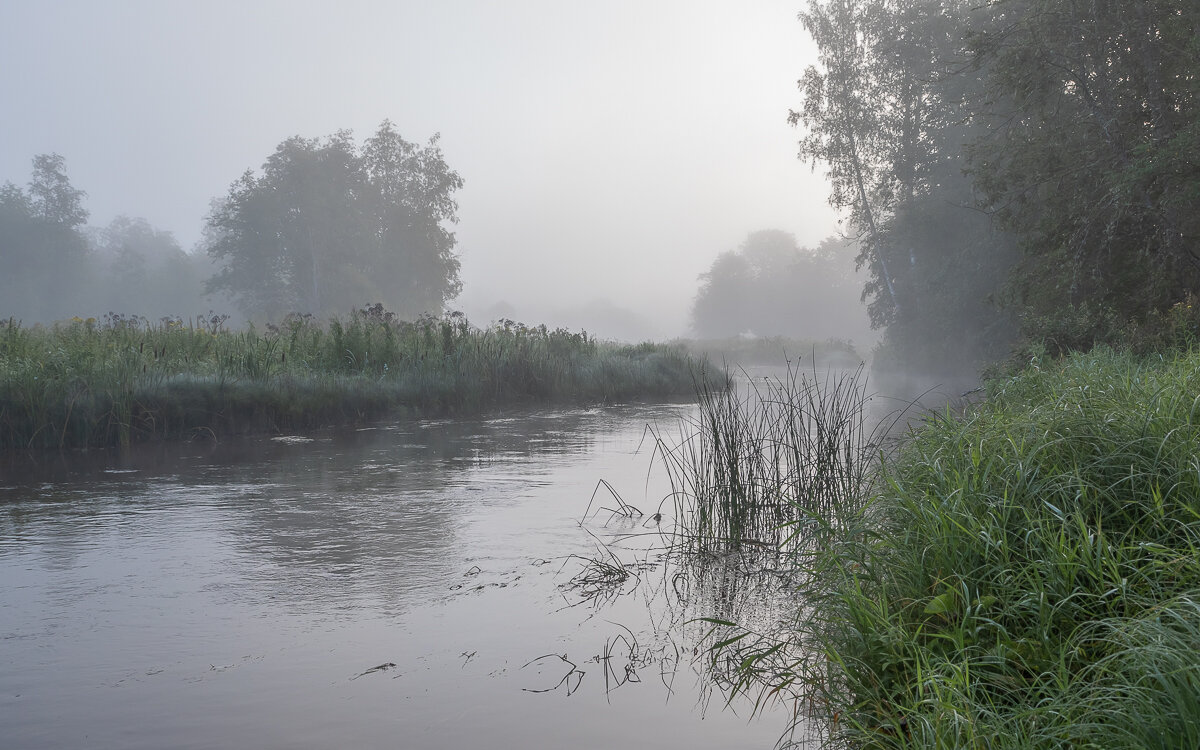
(1026, 575)
(96, 383)
(766, 465)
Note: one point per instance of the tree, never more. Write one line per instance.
(887, 111)
(145, 272)
(52, 197)
(1092, 159)
(720, 309)
(412, 196)
(42, 249)
(770, 286)
(1018, 159)
(328, 227)
(863, 114)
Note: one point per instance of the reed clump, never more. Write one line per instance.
(772, 462)
(1026, 575)
(124, 379)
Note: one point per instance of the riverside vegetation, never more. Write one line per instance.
(1023, 573)
(120, 380)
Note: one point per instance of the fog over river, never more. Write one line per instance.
(405, 586)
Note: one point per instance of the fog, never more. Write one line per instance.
(610, 152)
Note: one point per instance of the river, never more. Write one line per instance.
(407, 585)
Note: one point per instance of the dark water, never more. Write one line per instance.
(243, 594)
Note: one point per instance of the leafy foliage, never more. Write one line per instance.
(770, 287)
(54, 267)
(328, 224)
(1021, 161)
(144, 270)
(42, 250)
(886, 112)
(1092, 159)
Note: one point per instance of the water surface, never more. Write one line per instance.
(385, 587)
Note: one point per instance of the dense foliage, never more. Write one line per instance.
(770, 286)
(54, 267)
(140, 267)
(42, 248)
(1027, 162)
(328, 224)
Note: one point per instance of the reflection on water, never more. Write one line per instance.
(254, 592)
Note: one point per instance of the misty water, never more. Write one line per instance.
(406, 585)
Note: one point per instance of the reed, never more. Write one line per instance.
(773, 464)
(1023, 575)
(124, 379)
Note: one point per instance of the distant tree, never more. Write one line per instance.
(328, 227)
(53, 199)
(411, 194)
(720, 310)
(770, 286)
(145, 272)
(42, 248)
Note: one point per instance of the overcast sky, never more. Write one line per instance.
(610, 149)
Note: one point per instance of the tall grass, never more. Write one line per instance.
(770, 464)
(1026, 575)
(124, 379)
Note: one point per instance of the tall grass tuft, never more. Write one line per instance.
(124, 379)
(774, 463)
(1024, 575)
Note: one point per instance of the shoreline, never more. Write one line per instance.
(78, 385)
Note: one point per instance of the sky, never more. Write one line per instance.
(610, 150)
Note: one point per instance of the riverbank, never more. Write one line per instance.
(87, 383)
(1023, 575)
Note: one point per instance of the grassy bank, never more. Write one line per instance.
(1026, 575)
(122, 380)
